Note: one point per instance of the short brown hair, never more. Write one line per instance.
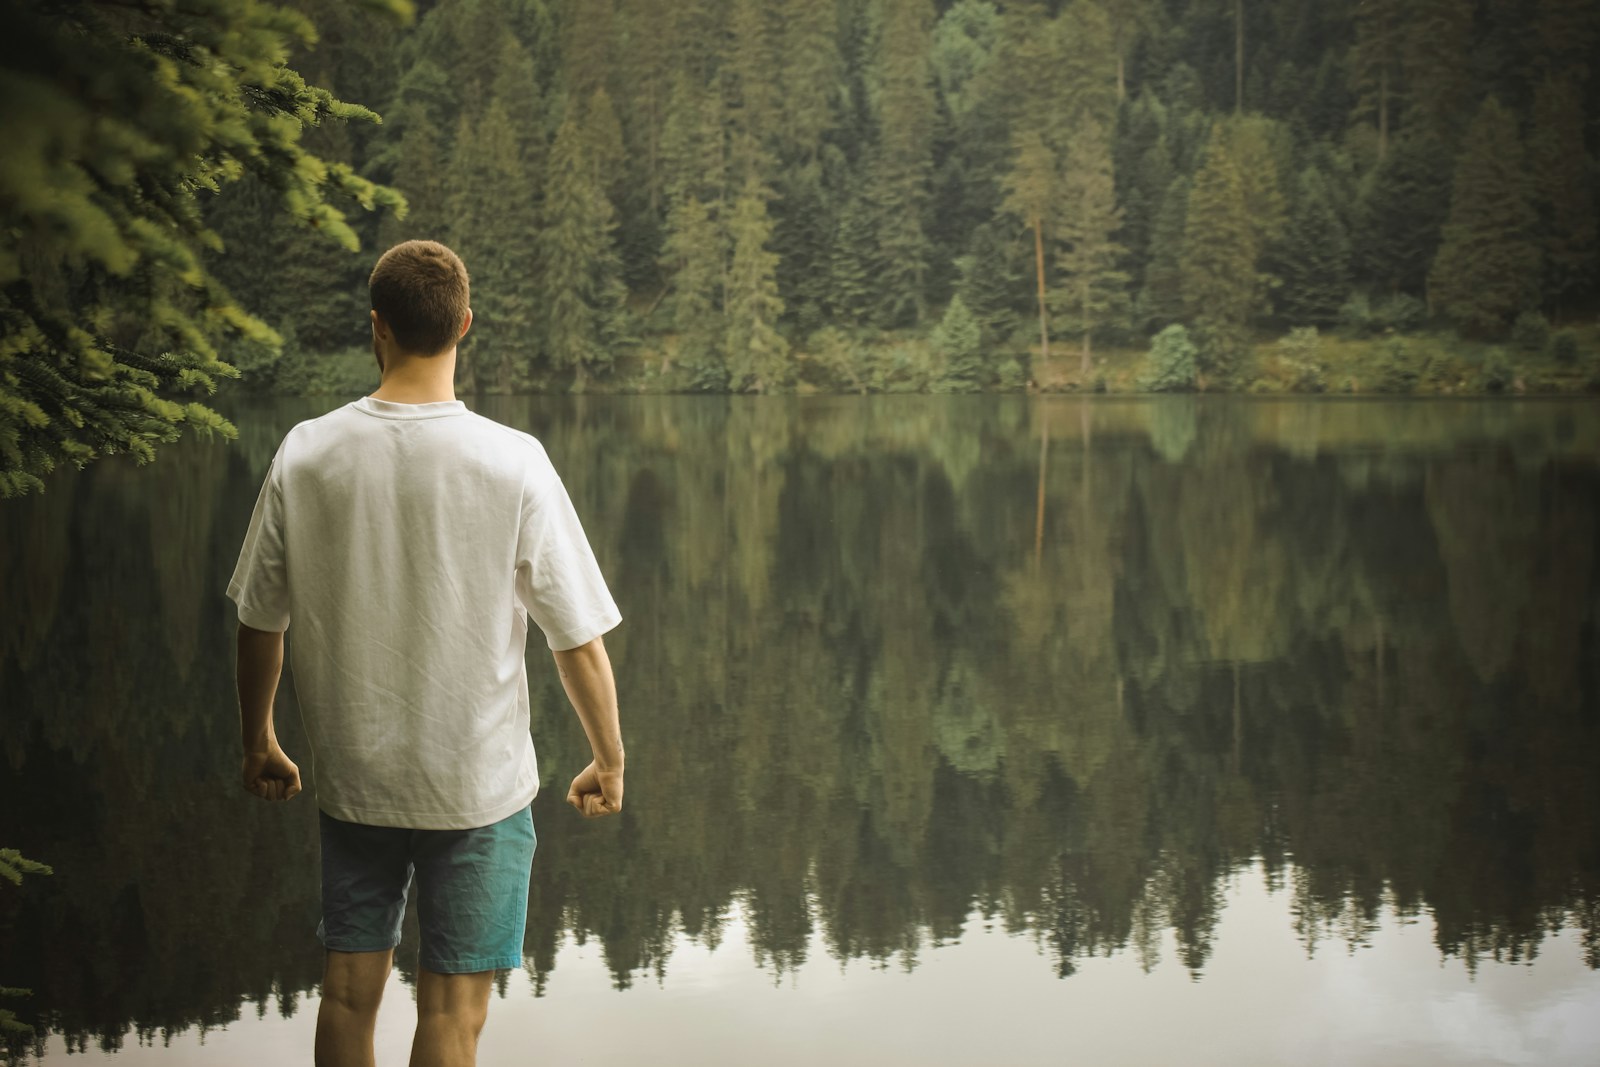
(420, 289)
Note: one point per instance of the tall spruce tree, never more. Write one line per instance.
(118, 119)
(494, 226)
(756, 353)
(810, 76)
(1317, 260)
(1399, 213)
(904, 112)
(583, 298)
(1160, 302)
(1563, 174)
(1092, 288)
(1436, 56)
(1374, 64)
(694, 253)
(1218, 262)
(1487, 268)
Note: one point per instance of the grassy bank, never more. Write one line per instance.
(1421, 363)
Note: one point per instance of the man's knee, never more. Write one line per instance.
(459, 1001)
(354, 981)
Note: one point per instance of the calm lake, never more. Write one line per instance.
(1110, 731)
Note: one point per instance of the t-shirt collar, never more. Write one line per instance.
(388, 409)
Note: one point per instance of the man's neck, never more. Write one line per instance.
(418, 379)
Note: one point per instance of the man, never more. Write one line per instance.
(410, 541)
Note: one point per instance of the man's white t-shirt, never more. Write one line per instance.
(410, 544)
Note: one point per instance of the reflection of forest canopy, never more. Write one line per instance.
(862, 707)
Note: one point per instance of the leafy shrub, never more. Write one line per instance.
(1171, 365)
(1397, 368)
(1498, 373)
(1300, 353)
(1355, 315)
(1565, 347)
(1531, 332)
(1012, 373)
(1400, 313)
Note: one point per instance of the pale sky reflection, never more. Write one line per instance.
(993, 995)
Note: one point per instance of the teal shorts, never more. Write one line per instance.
(472, 890)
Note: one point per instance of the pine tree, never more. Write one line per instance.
(582, 292)
(1488, 263)
(694, 252)
(904, 110)
(994, 272)
(115, 119)
(494, 226)
(1399, 214)
(1317, 261)
(757, 355)
(811, 77)
(1374, 65)
(1092, 288)
(750, 93)
(415, 155)
(958, 340)
(1160, 300)
(850, 263)
(1436, 52)
(1563, 190)
(1218, 262)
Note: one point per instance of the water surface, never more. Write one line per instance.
(1125, 731)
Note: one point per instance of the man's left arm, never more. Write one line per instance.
(267, 772)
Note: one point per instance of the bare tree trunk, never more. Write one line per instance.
(1044, 458)
(1038, 259)
(1383, 112)
(1238, 55)
(1122, 80)
(1084, 366)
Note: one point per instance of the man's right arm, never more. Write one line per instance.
(586, 676)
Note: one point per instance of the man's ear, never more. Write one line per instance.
(466, 324)
(380, 328)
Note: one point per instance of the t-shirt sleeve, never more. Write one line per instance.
(558, 580)
(260, 582)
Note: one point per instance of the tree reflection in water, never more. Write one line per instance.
(875, 681)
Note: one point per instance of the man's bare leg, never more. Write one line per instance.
(451, 1009)
(352, 986)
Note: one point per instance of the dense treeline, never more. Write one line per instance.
(927, 675)
(761, 192)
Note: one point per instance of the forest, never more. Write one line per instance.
(775, 195)
(880, 194)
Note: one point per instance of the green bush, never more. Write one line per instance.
(1355, 315)
(1300, 353)
(1498, 373)
(1171, 364)
(1564, 347)
(1400, 313)
(1530, 333)
(1397, 368)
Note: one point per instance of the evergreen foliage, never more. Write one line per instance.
(1487, 267)
(1091, 287)
(583, 298)
(1111, 167)
(1173, 362)
(1317, 260)
(958, 341)
(116, 116)
(1217, 266)
(756, 354)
